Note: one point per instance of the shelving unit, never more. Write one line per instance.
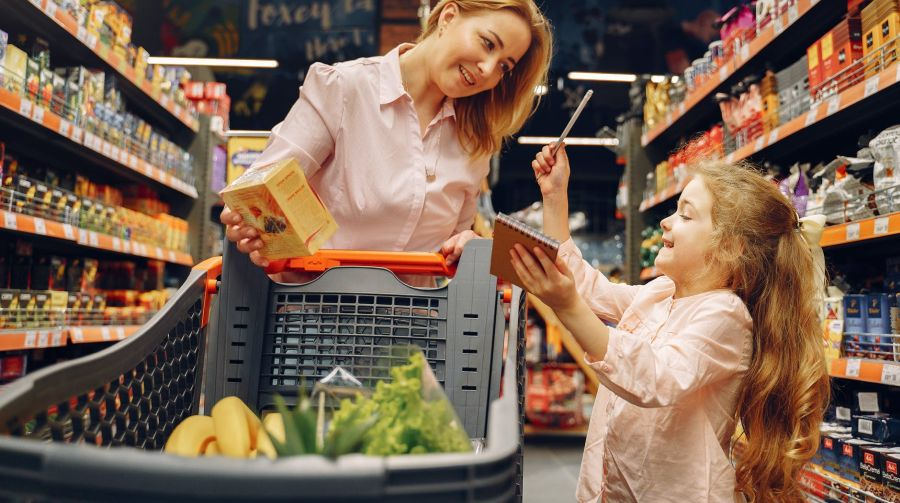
(42, 338)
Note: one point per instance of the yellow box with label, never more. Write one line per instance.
(279, 203)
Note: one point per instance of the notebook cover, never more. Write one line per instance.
(509, 231)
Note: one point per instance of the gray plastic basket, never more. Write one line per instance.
(132, 394)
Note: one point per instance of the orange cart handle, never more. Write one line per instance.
(419, 263)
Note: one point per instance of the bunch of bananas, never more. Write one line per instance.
(232, 430)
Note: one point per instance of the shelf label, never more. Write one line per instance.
(107, 149)
(50, 8)
(853, 367)
(759, 144)
(897, 75)
(25, 107)
(779, 25)
(43, 338)
(105, 334)
(123, 157)
(57, 338)
(81, 34)
(114, 150)
(172, 257)
(723, 73)
(681, 108)
(77, 134)
(93, 239)
(132, 161)
(37, 3)
(668, 120)
(164, 100)
(773, 136)
(812, 115)
(729, 158)
(834, 104)
(117, 244)
(82, 237)
(852, 232)
(159, 253)
(890, 374)
(126, 246)
(148, 170)
(9, 221)
(871, 86)
(745, 52)
(91, 41)
(793, 14)
(179, 112)
(864, 426)
(37, 115)
(881, 225)
(120, 333)
(30, 339)
(68, 231)
(64, 127)
(77, 334)
(40, 228)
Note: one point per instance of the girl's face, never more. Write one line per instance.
(475, 51)
(686, 235)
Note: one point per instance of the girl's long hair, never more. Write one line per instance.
(767, 262)
(486, 119)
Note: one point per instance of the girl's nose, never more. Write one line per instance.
(665, 223)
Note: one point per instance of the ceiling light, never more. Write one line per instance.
(246, 132)
(541, 90)
(231, 63)
(611, 77)
(570, 141)
(657, 78)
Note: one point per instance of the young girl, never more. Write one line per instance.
(729, 334)
(397, 145)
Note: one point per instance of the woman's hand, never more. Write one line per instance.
(452, 248)
(245, 236)
(552, 174)
(551, 282)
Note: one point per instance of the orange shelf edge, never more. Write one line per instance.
(868, 370)
(33, 338)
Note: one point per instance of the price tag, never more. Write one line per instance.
(852, 232)
(93, 239)
(25, 107)
(811, 116)
(123, 157)
(77, 334)
(81, 34)
(132, 161)
(881, 225)
(864, 426)
(50, 8)
(759, 144)
(43, 338)
(834, 104)
(148, 170)
(91, 41)
(107, 149)
(40, 227)
(64, 127)
(9, 221)
(117, 244)
(164, 100)
(89, 140)
(890, 374)
(37, 3)
(853, 367)
(105, 333)
(77, 134)
(114, 152)
(172, 257)
(681, 108)
(57, 338)
(37, 115)
(30, 338)
(793, 14)
(68, 231)
(120, 333)
(144, 250)
(897, 75)
(745, 52)
(729, 158)
(126, 246)
(773, 136)
(723, 73)
(82, 237)
(179, 112)
(813, 2)
(871, 86)
(159, 253)
(779, 26)
(668, 119)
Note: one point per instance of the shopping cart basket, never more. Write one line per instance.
(263, 338)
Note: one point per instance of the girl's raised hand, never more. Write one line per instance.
(550, 281)
(552, 174)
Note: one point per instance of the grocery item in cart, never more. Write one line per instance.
(280, 204)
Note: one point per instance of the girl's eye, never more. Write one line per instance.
(488, 43)
(504, 67)
(684, 217)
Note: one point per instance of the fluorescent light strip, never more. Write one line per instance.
(232, 63)
(246, 132)
(586, 142)
(611, 77)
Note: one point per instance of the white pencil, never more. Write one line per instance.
(571, 123)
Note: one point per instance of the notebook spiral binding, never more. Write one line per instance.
(523, 228)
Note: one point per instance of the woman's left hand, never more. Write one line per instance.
(452, 248)
(552, 282)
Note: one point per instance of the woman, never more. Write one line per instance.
(396, 146)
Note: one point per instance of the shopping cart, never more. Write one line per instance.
(263, 338)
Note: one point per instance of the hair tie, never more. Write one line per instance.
(811, 229)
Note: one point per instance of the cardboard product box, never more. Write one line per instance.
(890, 476)
(13, 366)
(40, 273)
(46, 89)
(32, 80)
(879, 428)
(870, 468)
(850, 457)
(27, 309)
(59, 300)
(58, 100)
(813, 57)
(43, 310)
(278, 201)
(9, 305)
(89, 275)
(74, 272)
(855, 314)
(878, 319)
(4, 41)
(15, 65)
(831, 450)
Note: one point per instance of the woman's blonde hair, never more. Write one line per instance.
(486, 119)
(767, 263)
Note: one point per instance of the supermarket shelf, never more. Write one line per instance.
(535, 431)
(41, 227)
(797, 15)
(819, 483)
(881, 372)
(664, 196)
(17, 340)
(870, 228)
(65, 37)
(89, 145)
(592, 381)
(12, 340)
(649, 273)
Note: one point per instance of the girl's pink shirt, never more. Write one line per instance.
(663, 419)
(355, 132)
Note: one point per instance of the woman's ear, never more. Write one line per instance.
(448, 14)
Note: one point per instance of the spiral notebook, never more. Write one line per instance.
(507, 232)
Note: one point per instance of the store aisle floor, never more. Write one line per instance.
(551, 468)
